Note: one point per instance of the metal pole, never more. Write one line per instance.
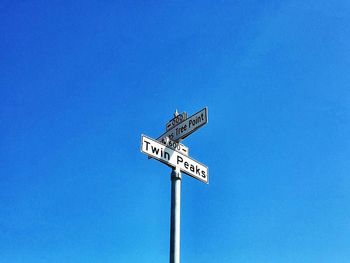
(175, 216)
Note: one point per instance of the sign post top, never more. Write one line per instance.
(168, 149)
(186, 127)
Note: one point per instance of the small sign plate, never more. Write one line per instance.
(176, 120)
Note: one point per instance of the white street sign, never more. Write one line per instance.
(185, 128)
(176, 120)
(174, 159)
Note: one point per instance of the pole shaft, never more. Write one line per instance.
(175, 216)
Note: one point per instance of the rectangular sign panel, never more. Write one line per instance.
(185, 128)
(174, 159)
(176, 120)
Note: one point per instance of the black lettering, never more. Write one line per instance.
(166, 155)
(198, 170)
(155, 150)
(192, 168)
(186, 165)
(203, 174)
(179, 159)
(147, 143)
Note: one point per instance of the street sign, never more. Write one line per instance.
(176, 120)
(185, 128)
(174, 159)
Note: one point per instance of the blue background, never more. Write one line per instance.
(81, 80)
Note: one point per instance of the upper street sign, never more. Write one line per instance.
(174, 159)
(185, 128)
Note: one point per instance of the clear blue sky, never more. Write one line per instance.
(80, 81)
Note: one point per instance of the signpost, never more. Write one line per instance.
(168, 149)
